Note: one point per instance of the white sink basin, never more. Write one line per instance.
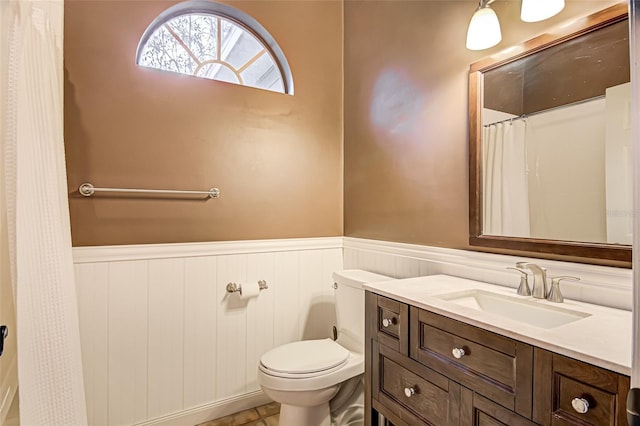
(529, 311)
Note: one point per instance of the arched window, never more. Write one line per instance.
(216, 41)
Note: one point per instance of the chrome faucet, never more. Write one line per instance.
(539, 289)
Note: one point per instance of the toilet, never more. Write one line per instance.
(315, 380)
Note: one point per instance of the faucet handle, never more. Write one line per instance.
(523, 288)
(555, 295)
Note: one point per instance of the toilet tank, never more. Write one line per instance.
(350, 305)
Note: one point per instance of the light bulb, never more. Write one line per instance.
(484, 29)
(539, 10)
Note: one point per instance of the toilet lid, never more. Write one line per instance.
(307, 356)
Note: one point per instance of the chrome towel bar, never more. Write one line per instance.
(88, 190)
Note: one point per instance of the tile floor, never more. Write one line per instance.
(265, 415)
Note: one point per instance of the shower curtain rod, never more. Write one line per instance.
(523, 116)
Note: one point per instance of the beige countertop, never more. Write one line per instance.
(602, 338)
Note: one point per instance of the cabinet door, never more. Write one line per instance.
(570, 392)
(409, 393)
(476, 410)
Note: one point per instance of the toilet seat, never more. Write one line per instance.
(307, 358)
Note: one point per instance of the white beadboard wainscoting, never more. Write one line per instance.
(163, 343)
(600, 285)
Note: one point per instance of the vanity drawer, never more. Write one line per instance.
(602, 404)
(489, 364)
(413, 393)
(562, 380)
(392, 324)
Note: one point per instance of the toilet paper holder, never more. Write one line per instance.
(233, 287)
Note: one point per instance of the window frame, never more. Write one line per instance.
(238, 17)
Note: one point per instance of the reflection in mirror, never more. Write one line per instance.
(551, 161)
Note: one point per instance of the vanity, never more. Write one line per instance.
(445, 351)
(449, 351)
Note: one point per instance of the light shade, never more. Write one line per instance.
(484, 29)
(539, 10)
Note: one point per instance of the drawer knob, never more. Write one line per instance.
(409, 392)
(581, 405)
(386, 322)
(457, 353)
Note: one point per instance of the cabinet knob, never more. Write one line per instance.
(409, 392)
(457, 353)
(386, 322)
(581, 405)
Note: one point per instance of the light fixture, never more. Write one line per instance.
(484, 28)
(539, 10)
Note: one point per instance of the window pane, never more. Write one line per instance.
(218, 72)
(264, 74)
(239, 47)
(230, 32)
(199, 33)
(163, 51)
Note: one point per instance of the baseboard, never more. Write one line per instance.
(208, 412)
(8, 389)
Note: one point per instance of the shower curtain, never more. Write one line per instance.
(505, 208)
(51, 385)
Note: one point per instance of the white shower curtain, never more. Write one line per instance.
(505, 208)
(49, 360)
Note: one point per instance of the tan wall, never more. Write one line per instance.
(276, 158)
(406, 127)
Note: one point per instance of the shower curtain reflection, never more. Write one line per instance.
(505, 209)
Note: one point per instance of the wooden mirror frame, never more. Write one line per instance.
(613, 252)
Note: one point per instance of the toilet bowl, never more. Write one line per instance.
(305, 376)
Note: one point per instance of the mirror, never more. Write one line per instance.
(550, 141)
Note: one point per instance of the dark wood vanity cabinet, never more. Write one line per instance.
(426, 369)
